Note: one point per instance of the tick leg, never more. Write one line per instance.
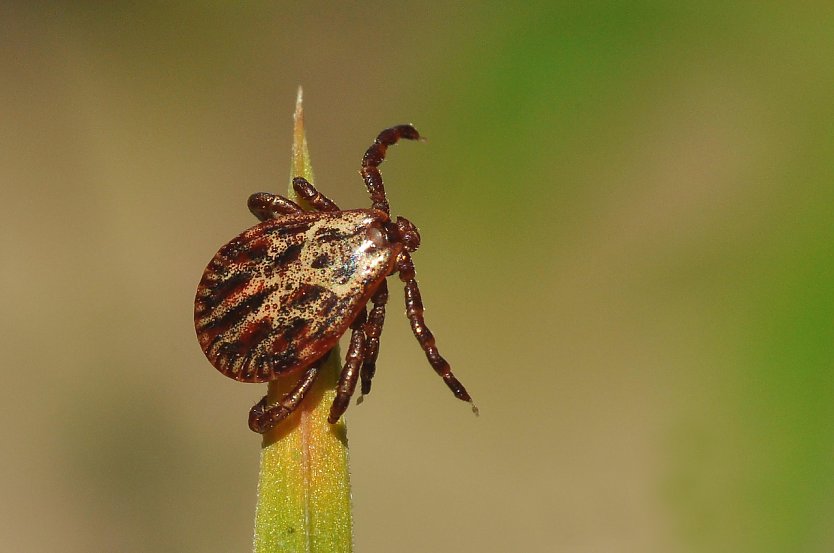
(375, 155)
(350, 372)
(373, 330)
(414, 312)
(266, 206)
(263, 417)
(307, 191)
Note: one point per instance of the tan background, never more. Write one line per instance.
(626, 212)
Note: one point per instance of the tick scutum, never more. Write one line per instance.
(321, 261)
(288, 256)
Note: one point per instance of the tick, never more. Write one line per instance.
(276, 299)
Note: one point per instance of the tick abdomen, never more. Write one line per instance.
(282, 293)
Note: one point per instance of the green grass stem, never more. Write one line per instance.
(304, 482)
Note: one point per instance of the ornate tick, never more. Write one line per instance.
(276, 299)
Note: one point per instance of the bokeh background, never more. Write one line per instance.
(626, 212)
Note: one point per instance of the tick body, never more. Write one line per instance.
(276, 299)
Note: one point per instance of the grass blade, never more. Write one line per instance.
(304, 483)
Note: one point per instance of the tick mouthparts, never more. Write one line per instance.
(408, 233)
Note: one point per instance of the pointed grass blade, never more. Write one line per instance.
(304, 483)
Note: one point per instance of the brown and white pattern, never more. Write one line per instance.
(276, 299)
(283, 292)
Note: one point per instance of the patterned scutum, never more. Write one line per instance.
(279, 296)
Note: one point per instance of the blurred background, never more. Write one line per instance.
(626, 213)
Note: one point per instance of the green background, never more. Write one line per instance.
(626, 213)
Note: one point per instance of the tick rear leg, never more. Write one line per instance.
(266, 206)
(264, 417)
(376, 155)
(350, 372)
(414, 312)
(308, 192)
(373, 330)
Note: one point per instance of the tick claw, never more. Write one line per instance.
(475, 409)
(359, 400)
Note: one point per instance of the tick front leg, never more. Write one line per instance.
(264, 417)
(350, 372)
(375, 155)
(308, 192)
(266, 206)
(414, 312)
(373, 330)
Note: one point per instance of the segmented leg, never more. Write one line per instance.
(266, 206)
(350, 372)
(373, 330)
(375, 155)
(263, 417)
(308, 192)
(414, 312)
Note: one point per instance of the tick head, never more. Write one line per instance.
(407, 233)
(403, 232)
